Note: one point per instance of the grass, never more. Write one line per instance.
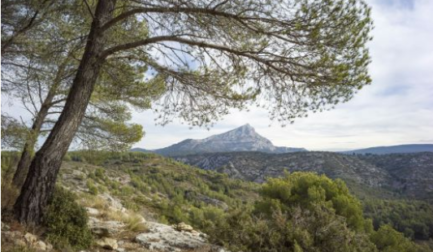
(92, 201)
(135, 223)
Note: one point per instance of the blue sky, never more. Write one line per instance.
(396, 109)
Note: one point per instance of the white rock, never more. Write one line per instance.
(105, 228)
(165, 238)
(195, 233)
(113, 203)
(40, 245)
(30, 238)
(49, 247)
(92, 211)
(107, 243)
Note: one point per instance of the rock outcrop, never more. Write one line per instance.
(168, 238)
(244, 138)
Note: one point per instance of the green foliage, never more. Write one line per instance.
(9, 193)
(13, 133)
(92, 188)
(298, 230)
(178, 192)
(9, 160)
(66, 222)
(309, 190)
(299, 212)
(305, 212)
(413, 218)
(389, 240)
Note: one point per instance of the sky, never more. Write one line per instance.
(397, 108)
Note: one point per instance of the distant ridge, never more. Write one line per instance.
(243, 138)
(407, 174)
(406, 148)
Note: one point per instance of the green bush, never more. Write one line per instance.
(100, 174)
(66, 222)
(389, 240)
(92, 188)
(411, 217)
(67, 158)
(300, 212)
(9, 160)
(309, 189)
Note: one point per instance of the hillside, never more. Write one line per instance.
(412, 173)
(409, 175)
(166, 191)
(244, 138)
(142, 200)
(161, 182)
(407, 148)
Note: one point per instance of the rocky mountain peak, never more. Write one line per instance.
(242, 134)
(245, 129)
(243, 138)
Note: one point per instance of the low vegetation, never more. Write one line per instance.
(299, 212)
(66, 222)
(413, 218)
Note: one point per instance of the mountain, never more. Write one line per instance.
(407, 148)
(407, 175)
(244, 138)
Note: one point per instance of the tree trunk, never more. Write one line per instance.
(44, 168)
(29, 146)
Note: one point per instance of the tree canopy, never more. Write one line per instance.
(289, 56)
(298, 56)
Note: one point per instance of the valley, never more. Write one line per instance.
(402, 175)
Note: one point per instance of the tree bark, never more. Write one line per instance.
(44, 168)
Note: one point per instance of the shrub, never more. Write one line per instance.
(66, 222)
(307, 190)
(9, 194)
(300, 212)
(67, 157)
(92, 188)
(135, 223)
(388, 240)
(100, 173)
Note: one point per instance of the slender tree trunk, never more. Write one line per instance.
(44, 168)
(29, 146)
